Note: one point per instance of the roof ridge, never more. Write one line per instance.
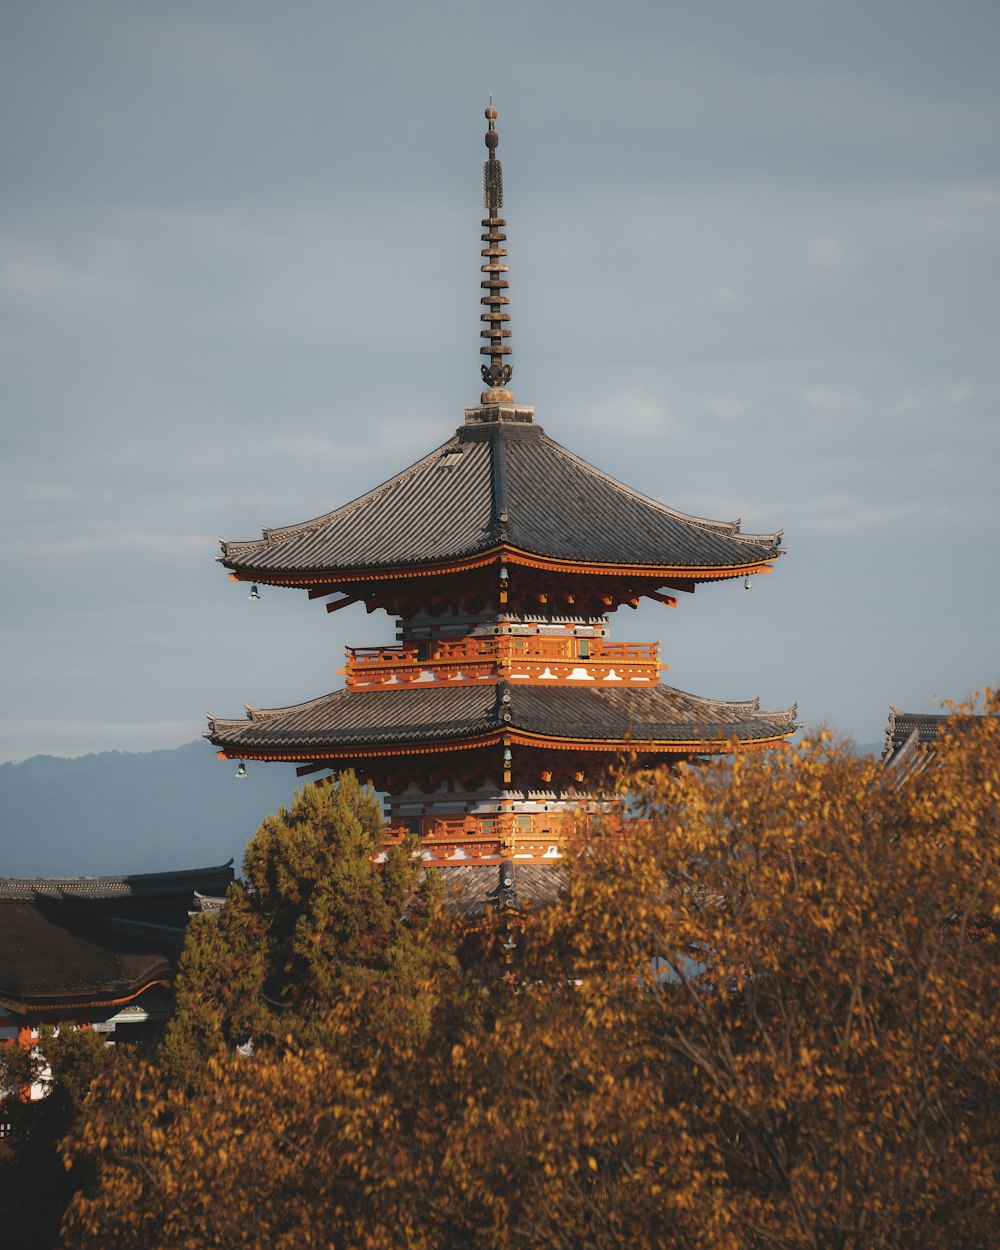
(259, 714)
(729, 529)
(126, 883)
(279, 534)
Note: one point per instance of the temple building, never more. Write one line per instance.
(911, 740)
(96, 952)
(505, 704)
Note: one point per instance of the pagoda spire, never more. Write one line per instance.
(497, 373)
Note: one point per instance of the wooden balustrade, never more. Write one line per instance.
(479, 658)
(532, 835)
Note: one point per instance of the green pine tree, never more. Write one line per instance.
(315, 921)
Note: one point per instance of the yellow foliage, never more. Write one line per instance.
(768, 1018)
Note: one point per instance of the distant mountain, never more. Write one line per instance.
(870, 748)
(121, 812)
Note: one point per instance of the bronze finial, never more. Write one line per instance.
(496, 374)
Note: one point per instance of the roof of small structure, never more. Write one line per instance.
(502, 484)
(473, 889)
(921, 727)
(911, 740)
(441, 714)
(75, 942)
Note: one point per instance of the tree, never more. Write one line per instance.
(311, 919)
(764, 1017)
(35, 1187)
(789, 976)
(343, 975)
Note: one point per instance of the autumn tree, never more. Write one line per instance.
(763, 1016)
(35, 1187)
(782, 1026)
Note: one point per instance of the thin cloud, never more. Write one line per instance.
(631, 414)
(829, 252)
(728, 408)
(124, 540)
(839, 514)
(48, 492)
(24, 276)
(395, 440)
(825, 399)
(920, 400)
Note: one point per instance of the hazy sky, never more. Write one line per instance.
(755, 263)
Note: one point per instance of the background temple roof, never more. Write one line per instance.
(95, 938)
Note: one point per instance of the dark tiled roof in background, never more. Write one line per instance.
(904, 725)
(911, 741)
(367, 718)
(495, 483)
(213, 881)
(87, 938)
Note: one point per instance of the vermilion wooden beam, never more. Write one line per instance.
(344, 603)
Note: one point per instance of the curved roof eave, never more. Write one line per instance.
(425, 720)
(491, 490)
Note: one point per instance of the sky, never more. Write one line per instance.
(754, 264)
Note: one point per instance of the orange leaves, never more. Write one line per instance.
(767, 1018)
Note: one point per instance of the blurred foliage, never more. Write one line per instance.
(35, 1185)
(764, 1017)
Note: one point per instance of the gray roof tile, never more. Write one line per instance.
(369, 718)
(473, 889)
(498, 483)
(97, 938)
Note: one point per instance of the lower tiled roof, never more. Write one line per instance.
(473, 889)
(659, 714)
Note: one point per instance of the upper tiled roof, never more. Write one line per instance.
(501, 483)
(362, 718)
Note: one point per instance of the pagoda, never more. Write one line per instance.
(501, 712)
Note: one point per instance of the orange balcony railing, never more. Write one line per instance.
(517, 657)
(534, 835)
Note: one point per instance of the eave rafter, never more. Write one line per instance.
(42, 1004)
(316, 759)
(502, 578)
(322, 582)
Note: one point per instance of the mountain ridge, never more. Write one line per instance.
(119, 812)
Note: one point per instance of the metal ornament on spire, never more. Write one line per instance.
(497, 373)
